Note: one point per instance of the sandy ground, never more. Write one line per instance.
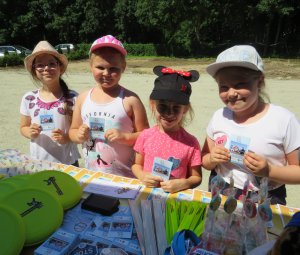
(15, 82)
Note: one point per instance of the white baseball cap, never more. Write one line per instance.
(239, 55)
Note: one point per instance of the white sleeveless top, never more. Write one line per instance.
(100, 154)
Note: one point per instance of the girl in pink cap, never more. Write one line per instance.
(108, 118)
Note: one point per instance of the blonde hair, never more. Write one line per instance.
(100, 51)
(245, 73)
(186, 119)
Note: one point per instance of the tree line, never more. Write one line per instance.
(184, 27)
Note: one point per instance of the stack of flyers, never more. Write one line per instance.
(99, 227)
(77, 221)
(59, 243)
(121, 226)
(89, 246)
(162, 168)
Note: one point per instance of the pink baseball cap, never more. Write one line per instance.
(108, 41)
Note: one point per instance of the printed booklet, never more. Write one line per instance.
(162, 168)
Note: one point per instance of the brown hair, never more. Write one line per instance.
(288, 242)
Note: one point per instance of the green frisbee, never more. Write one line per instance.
(21, 181)
(60, 184)
(12, 234)
(6, 188)
(41, 212)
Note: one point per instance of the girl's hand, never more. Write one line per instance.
(34, 130)
(151, 181)
(172, 186)
(83, 133)
(219, 154)
(256, 164)
(113, 135)
(59, 137)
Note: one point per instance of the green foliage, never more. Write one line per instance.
(185, 28)
(141, 49)
(81, 52)
(11, 60)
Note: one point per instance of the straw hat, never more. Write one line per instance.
(43, 47)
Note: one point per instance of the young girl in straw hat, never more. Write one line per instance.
(46, 112)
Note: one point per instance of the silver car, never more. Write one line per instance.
(14, 49)
(65, 47)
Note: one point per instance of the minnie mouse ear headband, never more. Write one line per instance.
(295, 221)
(173, 85)
(108, 41)
(44, 47)
(239, 55)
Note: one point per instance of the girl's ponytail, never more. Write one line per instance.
(64, 87)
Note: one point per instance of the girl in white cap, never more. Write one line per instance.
(46, 112)
(108, 118)
(250, 137)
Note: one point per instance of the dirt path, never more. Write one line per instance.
(275, 68)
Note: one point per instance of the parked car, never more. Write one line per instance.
(65, 47)
(14, 49)
(23, 49)
(1, 53)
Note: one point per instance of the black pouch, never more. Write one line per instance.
(105, 205)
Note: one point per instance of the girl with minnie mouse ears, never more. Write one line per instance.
(167, 146)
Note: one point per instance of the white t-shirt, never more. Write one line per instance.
(50, 115)
(273, 136)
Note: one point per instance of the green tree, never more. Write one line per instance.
(127, 25)
(276, 14)
(195, 26)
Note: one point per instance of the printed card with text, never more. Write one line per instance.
(97, 128)
(47, 121)
(162, 168)
(238, 146)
